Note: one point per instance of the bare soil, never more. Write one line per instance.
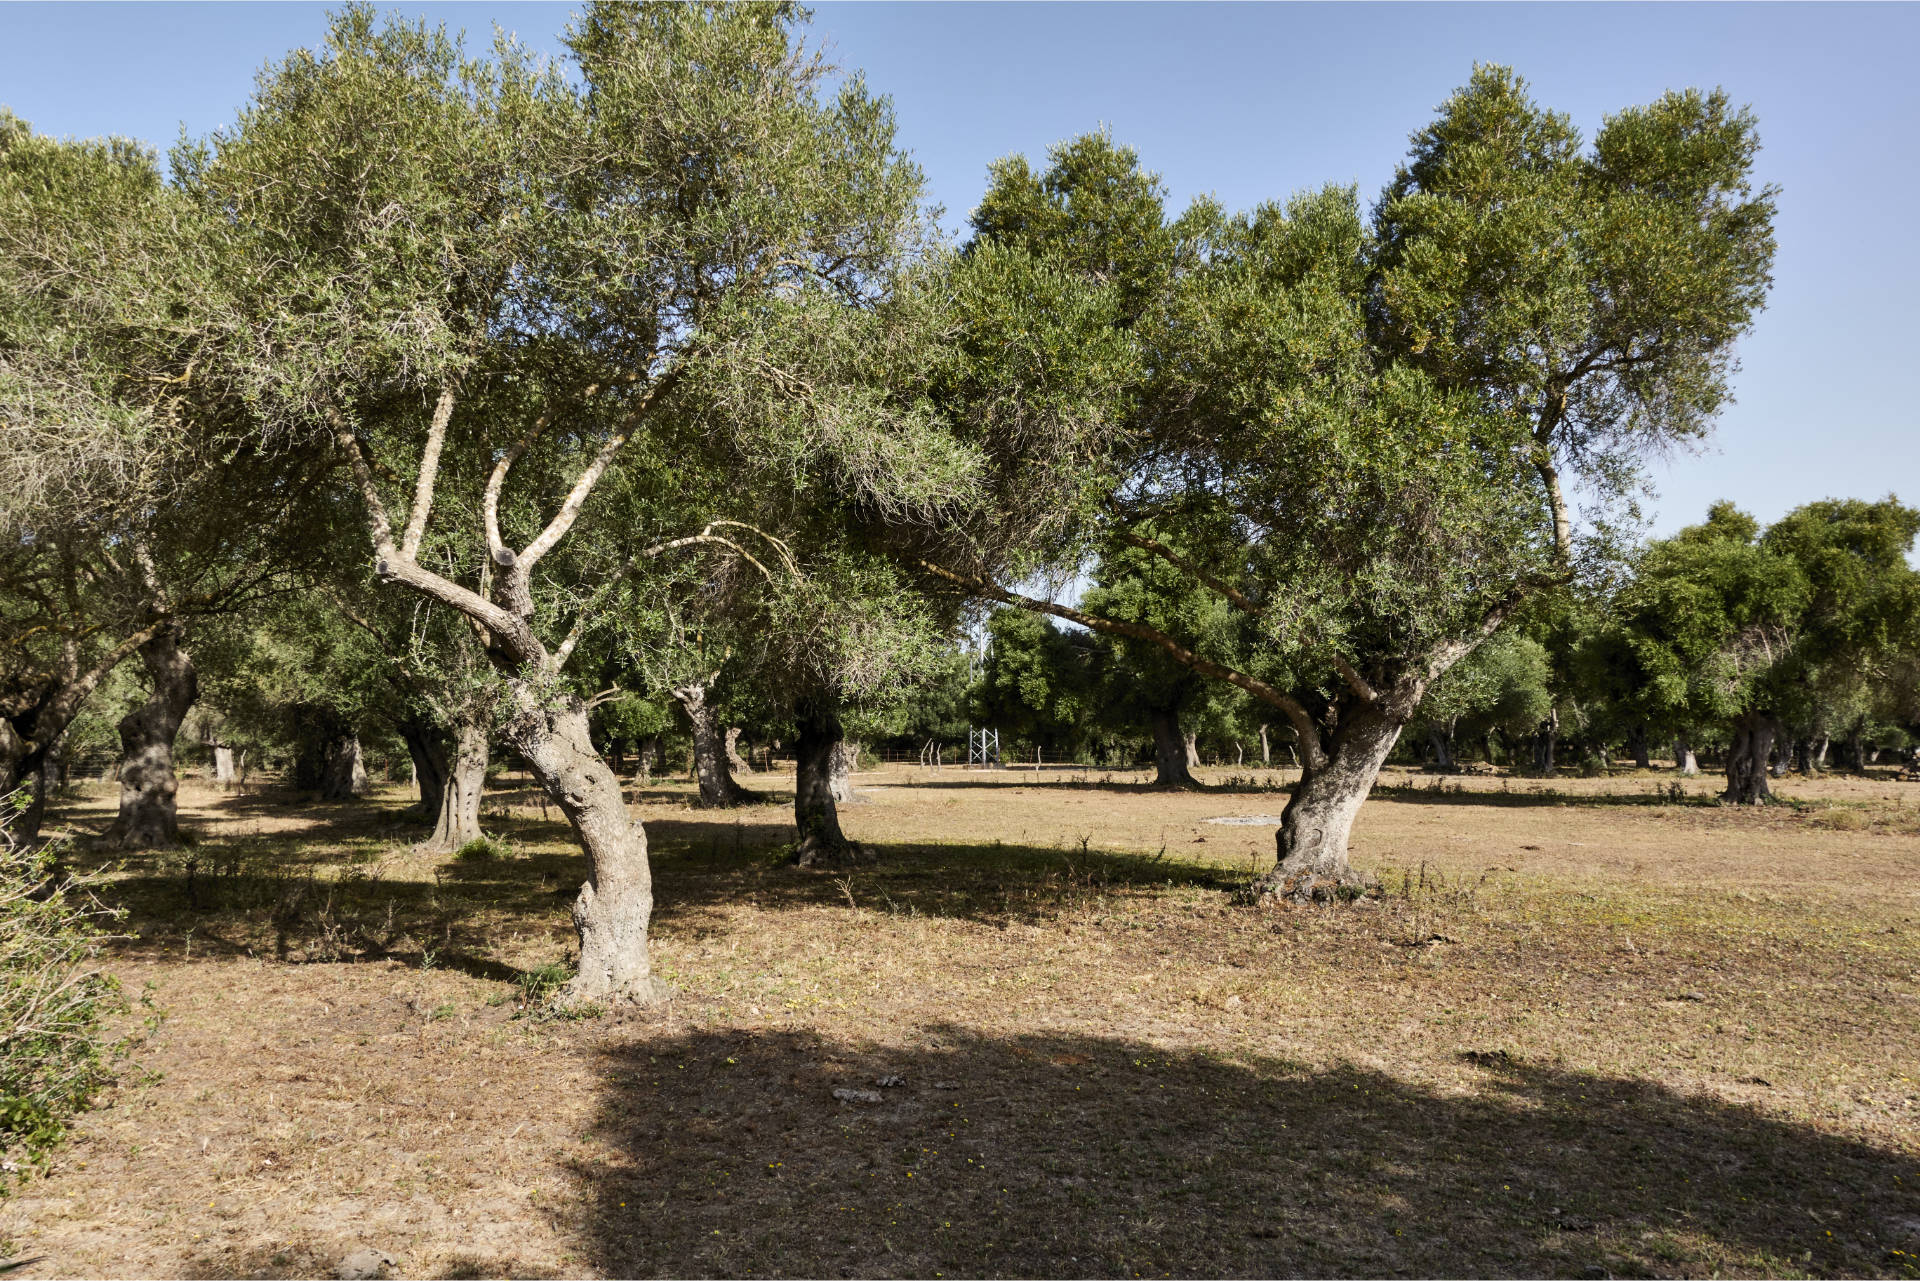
(1591, 1027)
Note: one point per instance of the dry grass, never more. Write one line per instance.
(1590, 1029)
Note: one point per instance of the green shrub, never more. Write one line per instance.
(55, 1056)
(482, 849)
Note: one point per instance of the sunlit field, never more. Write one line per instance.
(1591, 1026)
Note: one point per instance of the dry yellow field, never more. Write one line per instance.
(1590, 1028)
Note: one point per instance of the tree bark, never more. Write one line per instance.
(459, 772)
(1317, 823)
(1266, 749)
(740, 764)
(148, 818)
(840, 773)
(1683, 757)
(427, 749)
(1191, 740)
(1441, 739)
(1753, 735)
(822, 774)
(1820, 751)
(224, 774)
(1857, 752)
(1545, 739)
(615, 906)
(1637, 743)
(1169, 752)
(647, 749)
(712, 759)
(343, 769)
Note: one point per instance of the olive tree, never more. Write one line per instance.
(490, 279)
(1360, 428)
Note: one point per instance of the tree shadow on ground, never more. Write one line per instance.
(1086, 1156)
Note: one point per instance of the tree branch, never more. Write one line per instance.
(429, 474)
(1295, 713)
(1238, 598)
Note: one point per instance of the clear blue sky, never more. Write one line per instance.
(1251, 102)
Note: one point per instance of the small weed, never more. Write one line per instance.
(444, 1010)
(536, 985)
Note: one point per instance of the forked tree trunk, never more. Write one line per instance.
(740, 764)
(1170, 747)
(823, 774)
(711, 765)
(1753, 735)
(1317, 823)
(1683, 757)
(1441, 738)
(148, 818)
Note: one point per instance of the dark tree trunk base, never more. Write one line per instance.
(1170, 754)
(823, 763)
(148, 818)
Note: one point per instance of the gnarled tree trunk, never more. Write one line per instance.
(452, 777)
(148, 789)
(1441, 739)
(711, 757)
(615, 906)
(1266, 749)
(343, 769)
(1637, 744)
(1318, 821)
(823, 775)
(1170, 748)
(1753, 735)
(740, 764)
(1683, 757)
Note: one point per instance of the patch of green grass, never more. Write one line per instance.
(483, 849)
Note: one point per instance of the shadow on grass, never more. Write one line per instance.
(1079, 1156)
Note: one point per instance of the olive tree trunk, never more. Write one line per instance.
(453, 774)
(615, 905)
(1753, 735)
(1441, 739)
(1637, 743)
(740, 764)
(711, 755)
(1170, 748)
(225, 774)
(822, 782)
(1683, 759)
(148, 788)
(1317, 824)
(343, 769)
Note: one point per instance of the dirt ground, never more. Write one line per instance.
(1592, 1027)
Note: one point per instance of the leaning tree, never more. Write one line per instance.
(1361, 429)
